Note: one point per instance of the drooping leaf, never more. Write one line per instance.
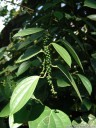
(51, 119)
(71, 80)
(64, 71)
(22, 93)
(23, 67)
(11, 122)
(29, 53)
(73, 53)
(63, 53)
(28, 31)
(75, 87)
(92, 17)
(86, 83)
(90, 3)
(5, 111)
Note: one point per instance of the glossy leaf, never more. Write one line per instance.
(73, 53)
(22, 93)
(86, 83)
(90, 3)
(5, 111)
(29, 53)
(51, 119)
(11, 122)
(23, 67)
(92, 17)
(28, 31)
(63, 53)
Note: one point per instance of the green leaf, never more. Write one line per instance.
(28, 31)
(62, 82)
(63, 53)
(29, 53)
(58, 15)
(28, 41)
(23, 67)
(73, 53)
(92, 17)
(86, 83)
(11, 122)
(22, 93)
(64, 71)
(90, 3)
(51, 119)
(93, 33)
(5, 111)
(87, 104)
(47, 6)
(70, 78)
(92, 120)
(75, 87)
(93, 64)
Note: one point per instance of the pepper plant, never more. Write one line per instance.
(43, 69)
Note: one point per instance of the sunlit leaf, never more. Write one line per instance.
(22, 93)
(90, 3)
(51, 119)
(5, 111)
(29, 53)
(11, 122)
(73, 53)
(28, 31)
(23, 67)
(86, 83)
(92, 17)
(63, 53)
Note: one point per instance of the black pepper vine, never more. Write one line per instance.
(47, 69)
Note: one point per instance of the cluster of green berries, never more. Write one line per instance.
(48, 68)
(47, 64)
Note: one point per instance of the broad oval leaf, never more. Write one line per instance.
(29, 53)
(51, 119)
(90, 3)
(5, 111)
(22, 93)
(28, 31)
(92, 17)
(63, 53)
(23, 67)
(86, 83)
(73, 53)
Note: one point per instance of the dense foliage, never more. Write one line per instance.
(48, 64)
